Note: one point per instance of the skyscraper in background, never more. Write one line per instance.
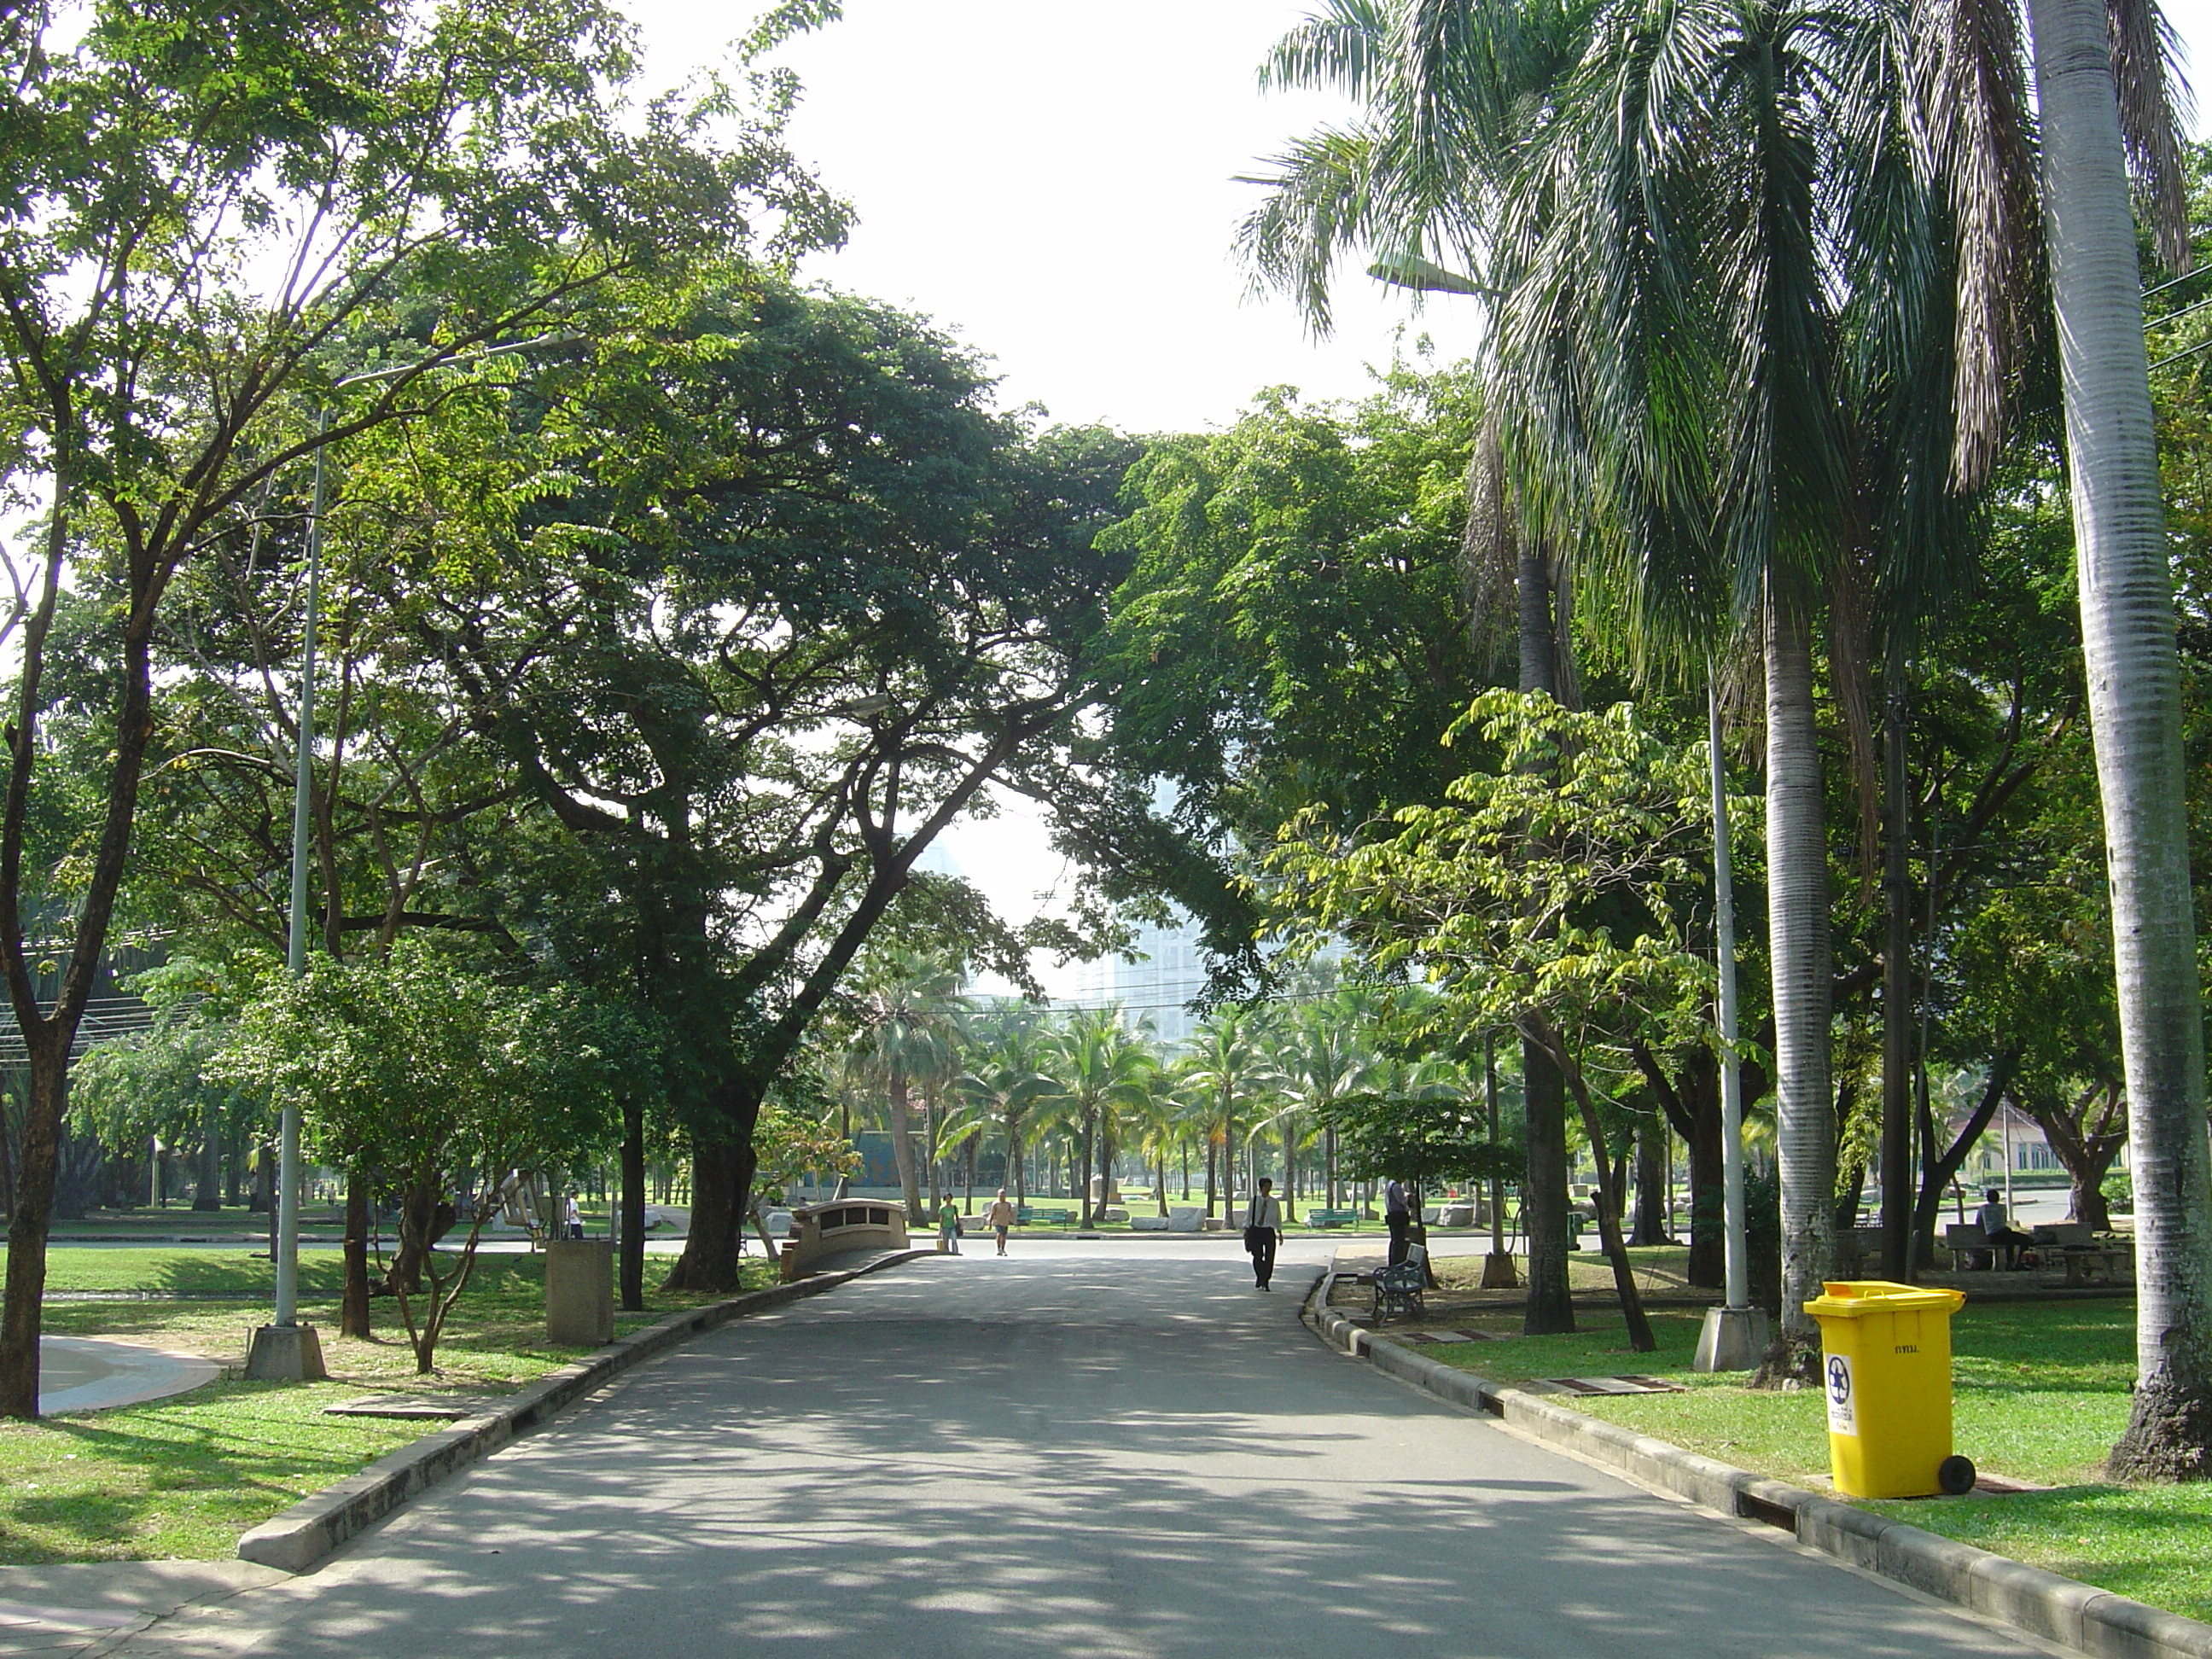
(1169, 972)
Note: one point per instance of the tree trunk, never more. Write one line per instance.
(1803, 978)
(22, 1302)
(1228, 1166)
(1212, 1153)
(1708, 1268)
(720, 1172)
(630, 1268)
(353, 1304)
(1650, 1183)
(1897, 998)
(2135, 714)
(207, 1191)
(1940, 1163)
(1545, 1207)
(1640, 1337)
(929, 1147)
(902, 1148)
(264, 1201)
(2087, 1153)
(1084, 1216)
(424, 1218)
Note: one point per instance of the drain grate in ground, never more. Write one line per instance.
(1448, 1336)
(427, 1406)
(1587, 1385)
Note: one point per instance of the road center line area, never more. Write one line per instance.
(1085, 1456)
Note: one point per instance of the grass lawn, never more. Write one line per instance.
(186, 1476)
(2040, 1393)
(199, 1271)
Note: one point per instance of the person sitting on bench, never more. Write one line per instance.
(1998, 1231)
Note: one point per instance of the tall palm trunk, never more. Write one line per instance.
(1014, 1156)
(2135, 712)
(1229, 1163)
(902, 1145)
(1083, 1168)
(929, 1145)
(1797, 930)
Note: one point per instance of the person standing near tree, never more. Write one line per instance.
(1001, 1216)
(1263, 1231)
(1398, 1216)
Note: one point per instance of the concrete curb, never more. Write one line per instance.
(303, 1535)
(2063, 1610)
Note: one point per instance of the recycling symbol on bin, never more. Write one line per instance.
(1840, 1380)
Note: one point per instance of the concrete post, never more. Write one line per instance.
(580, 1292)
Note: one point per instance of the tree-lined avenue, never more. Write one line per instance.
(1084, 1455)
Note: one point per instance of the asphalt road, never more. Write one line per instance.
(1090, 1457)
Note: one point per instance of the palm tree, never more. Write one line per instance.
(1325, 1059)
(1451, 96)
(1225, 1069)
(907, 1035)
(1101, 1071)
(2135, 701)
(1003, 1079)
(1161, 1126)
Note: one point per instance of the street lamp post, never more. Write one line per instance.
(1736, 1335)
(284, 1350)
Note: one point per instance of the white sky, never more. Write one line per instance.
(1055, 182)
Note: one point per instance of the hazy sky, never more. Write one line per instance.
(1055, 182)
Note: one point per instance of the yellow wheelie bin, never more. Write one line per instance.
(1886, 1371)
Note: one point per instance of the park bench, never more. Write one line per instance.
(1331, 1218)
(2073, 1246)
(1049, 1218)
(1969, 1245)
(1400, 1289)
(1858, 1249)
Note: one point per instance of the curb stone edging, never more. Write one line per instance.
(304, 1534)
(2044, 1604)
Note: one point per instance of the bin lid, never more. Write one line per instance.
(1853, 1298)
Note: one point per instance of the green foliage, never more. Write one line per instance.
(1423, 1141)
(1294, 628)
(433, 1077)
(1555, 885)
(159, 1083)
(412, 1065)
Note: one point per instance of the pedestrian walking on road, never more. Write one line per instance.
(1001, 1216)
(948, 1228)
(1398, 1216)
(1263, 1231)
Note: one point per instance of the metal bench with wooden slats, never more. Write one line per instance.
(1401, 1289)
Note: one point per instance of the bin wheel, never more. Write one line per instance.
(1955, 1475)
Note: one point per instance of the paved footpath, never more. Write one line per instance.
(1089, 1457)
